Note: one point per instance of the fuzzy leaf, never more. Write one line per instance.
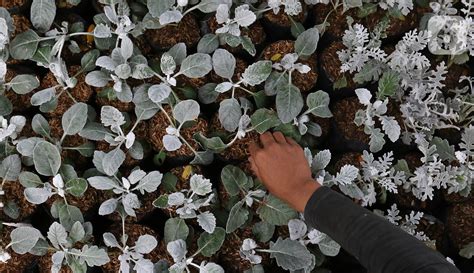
(171, 143)
(229, 114)
(46, 158)
(207, 221)
(145, 244)
(42, 96)
(257, 73)
(110, 240)
(113, 160)
(24, 84)
(97, 79)
(40, 125)
(318, 104)
(42, 14)
(208, 6)
(94, 256)
(57, 235)
(214, 144)
(102, 183)
(263, 119)
(175, 228)
(237, 217)
(186, 110)
(37, 195)
(24, 46)
(159, 92)
(289, 103)
(234, 180)
(77, 232)
(391, 128)
(208, 43)
(10, 168)
(224, 63)
(275, 212)
(329, 247)
(307, 42)
(108, 206)
(347, 175)
(156, 8)
(290, 255)
(196, 65)
(150, 182)
(74, 119)
(23, 239)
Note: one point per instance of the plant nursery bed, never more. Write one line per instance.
(125, 127)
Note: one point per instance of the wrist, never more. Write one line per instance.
(305, 192)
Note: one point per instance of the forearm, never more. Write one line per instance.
(378, 245)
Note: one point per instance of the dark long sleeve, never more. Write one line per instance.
(380, 246)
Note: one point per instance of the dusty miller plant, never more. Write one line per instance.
(376, 111)
(192, 203)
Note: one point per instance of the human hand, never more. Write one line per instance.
(279, 162)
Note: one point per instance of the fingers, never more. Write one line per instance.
(291, 141)
(279, 137)
(267, 139)
(254, 167)
(253, 148)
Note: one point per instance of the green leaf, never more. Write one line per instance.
(209, 244)
(89, 59)
(275, 211)
(263, 231)
(68, 215)
(307, 43)
(30, 180)
(208, 43)
(289, 103)
(24, 45)
(77, 232)
(24, 84)
(42, 14)
(161, 202)
(214, 144)
(234, 180)
(290, 255)
(237, 217)
(388, 85)
(10, 168)
(318, 104)
(444, 150)
(263, 119)
(175, 229)
(6, 107)
(74, 119)
(156, 8)
(40, 125)
(275, 82)
(46, 158)
(76, 187)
